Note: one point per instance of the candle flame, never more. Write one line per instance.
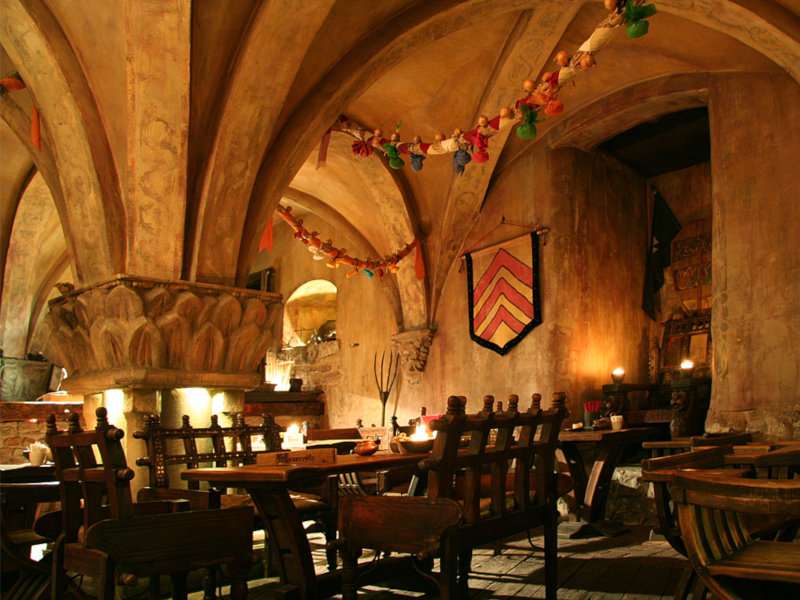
(618, 371)
(420, 434)
(293, 429)
(687, 364)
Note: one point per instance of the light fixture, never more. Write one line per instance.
(618, 375)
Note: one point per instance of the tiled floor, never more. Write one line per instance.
(626, 567)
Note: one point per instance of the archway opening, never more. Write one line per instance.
(310, 314)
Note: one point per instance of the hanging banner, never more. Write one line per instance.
(503, 292)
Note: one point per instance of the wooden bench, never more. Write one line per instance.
(725, 554)
(521, 465)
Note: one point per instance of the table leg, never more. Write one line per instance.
(285, 529)
(592, 492)
(599, 482)
(577, 469)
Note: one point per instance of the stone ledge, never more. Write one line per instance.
(136, 281)
(25, 411)
(147, 378)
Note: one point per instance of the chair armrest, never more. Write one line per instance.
(784, 457)
(710, 457)
(758, 496)
(199, 500)
(161, 507)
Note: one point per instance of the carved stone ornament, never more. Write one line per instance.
(413, 347)
(142, 332)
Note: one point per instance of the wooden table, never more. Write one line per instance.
(27, 473)
(343, 446)
(591, 492)
(269, 485)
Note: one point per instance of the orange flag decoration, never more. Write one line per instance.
(36, 132)
(14, 83)
(265, 243)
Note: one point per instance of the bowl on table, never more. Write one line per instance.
(410, 446)
(366, 448)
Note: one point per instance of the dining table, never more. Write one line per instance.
(591, 486)
(269, 486)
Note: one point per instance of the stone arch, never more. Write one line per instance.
(369, 198)
(315, 297)
(756, 25)
(362, 245)
(250, 111)
(623, 109)
(92, 212)
(37, 254)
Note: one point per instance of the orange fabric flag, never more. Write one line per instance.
(36, 131)
(265, 243)
(12, 83)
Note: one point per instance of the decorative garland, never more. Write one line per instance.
(466, 147)
(13, 83)
(336, 257)
(472, 145)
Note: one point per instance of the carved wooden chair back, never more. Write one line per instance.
(230, 446)
(523, 440)
(93, 474)
(718, 538)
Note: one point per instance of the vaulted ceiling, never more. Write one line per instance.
(253, 86)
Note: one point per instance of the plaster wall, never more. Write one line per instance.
(755, 142)
(364, 322)
(591, 280)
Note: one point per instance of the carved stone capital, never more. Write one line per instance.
(143, 332)
(413, 347)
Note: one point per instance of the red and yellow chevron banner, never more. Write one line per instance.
(503, 288)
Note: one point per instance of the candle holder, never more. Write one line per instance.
(618, 375)
(686, 370)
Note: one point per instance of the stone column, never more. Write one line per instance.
(755, 142)
(140, 346)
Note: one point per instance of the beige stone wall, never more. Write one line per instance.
(755, 127)
(364, 324)
(591, 271)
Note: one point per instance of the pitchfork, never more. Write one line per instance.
(385, 385)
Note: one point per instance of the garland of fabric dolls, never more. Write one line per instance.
(336, 257)
(472, 145)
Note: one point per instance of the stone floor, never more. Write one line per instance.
(627, 567)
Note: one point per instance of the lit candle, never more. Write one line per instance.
(687, 365)
(618, 375)
(293, 438)
(420, 433)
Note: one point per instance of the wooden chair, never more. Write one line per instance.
(713, 461)
(108, 537)
(18, 502)
(720, 544)
(229, 446)
(528, 440)
(429, 527)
